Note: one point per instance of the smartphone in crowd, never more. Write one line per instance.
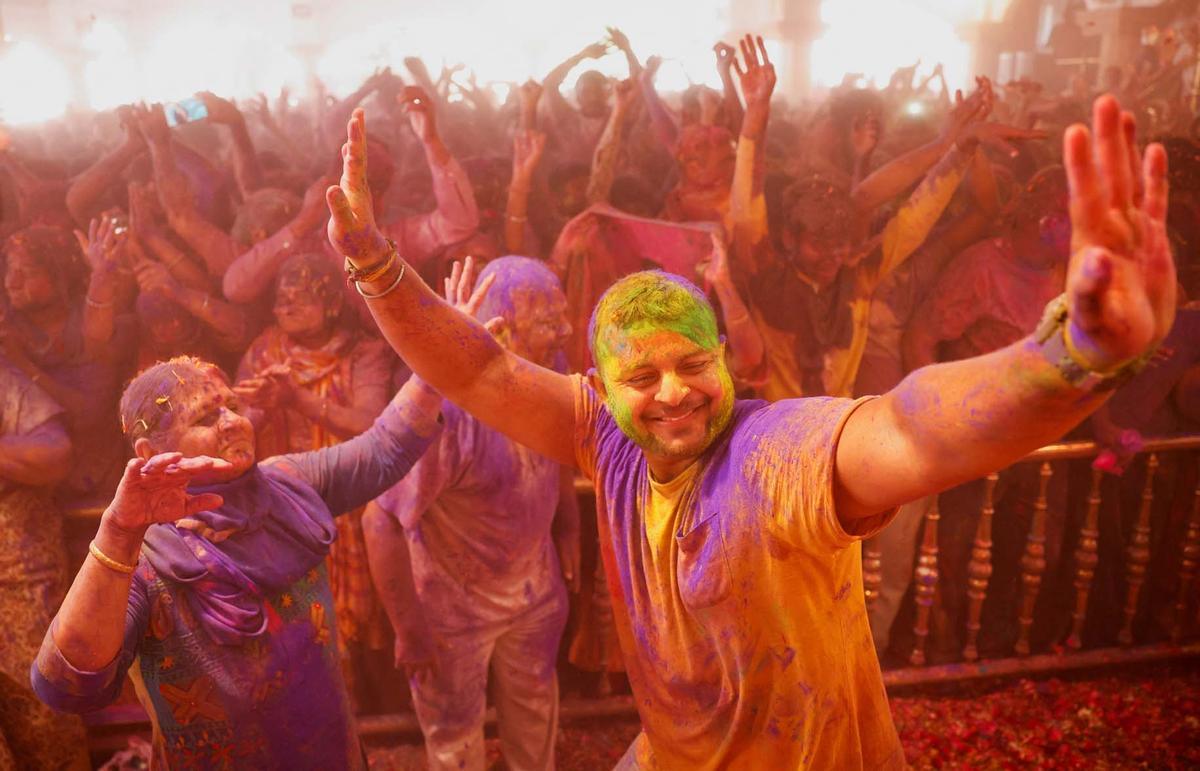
(185, 111)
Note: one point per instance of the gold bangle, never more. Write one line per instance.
(392, 286)
(108, 561)
(374, 275)
(356, 274)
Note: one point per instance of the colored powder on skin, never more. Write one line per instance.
(514, 276)
(650, 301)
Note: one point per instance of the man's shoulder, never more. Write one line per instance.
(786, 419)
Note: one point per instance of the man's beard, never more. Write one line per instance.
(718, 420)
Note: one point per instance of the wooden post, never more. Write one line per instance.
(1187, 568)
(926, 578)
(1033, 564)
(1137, 554)
(979, 571)
(872, 567)
(1086, 557)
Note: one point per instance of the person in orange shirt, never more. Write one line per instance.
(730, 528)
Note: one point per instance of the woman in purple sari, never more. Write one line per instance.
(206, 578)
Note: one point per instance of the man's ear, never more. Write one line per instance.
(142, 449)
(597, 384)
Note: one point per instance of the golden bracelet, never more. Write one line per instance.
(356, 274)
(108, 561)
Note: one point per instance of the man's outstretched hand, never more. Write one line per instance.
(1121, 279)
(352, 229)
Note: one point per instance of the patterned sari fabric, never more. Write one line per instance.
(32, 581)
(344, 366)
(229, 635)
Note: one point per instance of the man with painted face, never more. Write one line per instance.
(730, 529)
(207, 575)
(463, 551)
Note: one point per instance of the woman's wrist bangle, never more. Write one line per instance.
(97, 303)
(108, 561)
(514, 218)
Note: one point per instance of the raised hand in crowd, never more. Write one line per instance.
(529, 94)
(756, 74)
(422, 116)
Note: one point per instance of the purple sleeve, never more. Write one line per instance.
(350, 474)
(66, 689)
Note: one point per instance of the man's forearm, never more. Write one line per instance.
(87, 188)
(604, 159)
(445, 347)
(516, 214)
(245, 160)
(733, 104)
(949, 423)
(251, 274)
(390, 564)
(556, 76)
(894, 178)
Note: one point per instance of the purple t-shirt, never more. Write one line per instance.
(737, 594)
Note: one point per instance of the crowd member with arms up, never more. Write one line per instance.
(421, 236)
(811, 292)
(730, 529)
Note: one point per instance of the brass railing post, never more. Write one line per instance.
(1033, 563)
(979, 571)
(872, 567)
(1187, 567)
(926, 578)
(1137, 554)
(1086, 557)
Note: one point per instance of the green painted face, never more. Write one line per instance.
(662, 365)
(668, 394)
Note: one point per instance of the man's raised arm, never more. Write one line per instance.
(949, 423)
(451, 351)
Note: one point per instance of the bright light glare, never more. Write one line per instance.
(511, 42)
(898, 34)
(35, 85)
(244, 53)
(109, 77)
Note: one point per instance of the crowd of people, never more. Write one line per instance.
(308, 529)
